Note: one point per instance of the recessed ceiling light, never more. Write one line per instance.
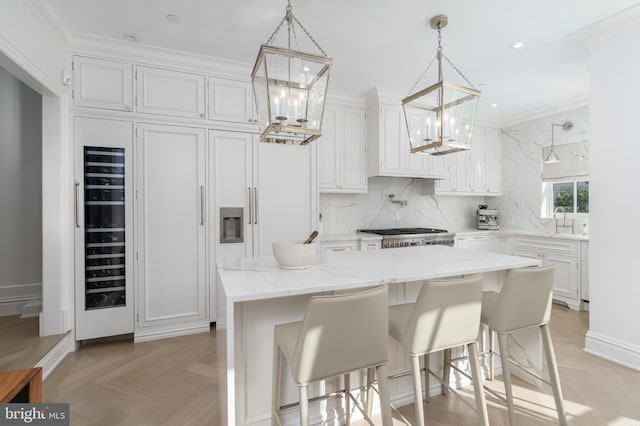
(130, 36)
(174, 19)
(493, 105)
(517, 45)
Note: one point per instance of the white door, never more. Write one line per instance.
(171, 222)
(328, 154)
(461, 171)
(98, 83)
(565, 277)
(354, 156)
(478, 164)
(167, 92)
(393, 152)
(286, 194)
(103, 227)
(230, 100)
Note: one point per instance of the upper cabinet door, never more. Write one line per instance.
(354, 155)
(166, 92)
(493, 162)
(328, 151)
(230, 100)
(99, 83)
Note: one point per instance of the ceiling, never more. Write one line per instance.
(382, 43)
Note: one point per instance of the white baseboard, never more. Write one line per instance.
(55, 356)
(613, 350)
(155, 334)
(14, 297)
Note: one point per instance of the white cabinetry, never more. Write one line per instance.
(338, 246)
(475, 172)
(388, 149)
(502, 244)
(171, 231)
(565, 256)
(103, 228)
(342, 151)
(100, 83)
(167, 92)
(584, 270)
(230, 101)
(274, 188)
(475, 242)
(354, 244)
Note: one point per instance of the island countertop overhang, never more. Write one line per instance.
(250, 279)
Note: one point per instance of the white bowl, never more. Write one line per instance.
(292, 254)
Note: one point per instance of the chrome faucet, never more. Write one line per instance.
(564, 219)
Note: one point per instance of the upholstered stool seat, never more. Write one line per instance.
(446, 314)
(523, 302)
(339, 334)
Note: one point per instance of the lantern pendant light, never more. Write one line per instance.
(440, 117)
(290, 87)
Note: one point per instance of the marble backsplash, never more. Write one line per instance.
(344, 213)
(521, 200)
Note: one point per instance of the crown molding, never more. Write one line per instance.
(54, 21)
(138, 53)
(617, 23)
(544, 111)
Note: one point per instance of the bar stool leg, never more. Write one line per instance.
(427, 397)
(553, 372)
(370, 380)
(275, 385)
(492, 354)
(446, 370)
(417, 390)
(347, 398)
(304, 405)
(476, 372)
(506, 376)
(385, 397)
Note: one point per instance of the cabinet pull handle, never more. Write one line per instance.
(250, 206)
(202, 212)
(339, 249)
(77, 204)
(255, 201)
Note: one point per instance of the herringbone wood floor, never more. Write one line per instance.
(180, 382)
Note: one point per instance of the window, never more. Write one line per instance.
(570, 196)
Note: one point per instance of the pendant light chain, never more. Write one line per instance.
(290, 18)
(439, 55)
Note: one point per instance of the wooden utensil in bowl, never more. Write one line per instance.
(313, 235)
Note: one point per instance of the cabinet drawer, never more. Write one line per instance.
(548, 245)
(370, 245)
(339, 246)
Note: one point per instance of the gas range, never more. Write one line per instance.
(408, 237)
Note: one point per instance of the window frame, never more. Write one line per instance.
(547, 200)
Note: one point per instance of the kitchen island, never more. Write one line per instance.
(260, 295)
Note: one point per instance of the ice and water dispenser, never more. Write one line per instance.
(231, 225)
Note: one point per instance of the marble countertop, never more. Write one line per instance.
(261, 278)
(516, 232)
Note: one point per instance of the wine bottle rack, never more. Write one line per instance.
(104, 213)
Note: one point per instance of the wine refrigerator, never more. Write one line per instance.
(103, 216)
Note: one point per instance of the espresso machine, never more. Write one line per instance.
(487, 218)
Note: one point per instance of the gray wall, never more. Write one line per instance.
(20, 183)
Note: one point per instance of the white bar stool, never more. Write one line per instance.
(339, 334)
(524, 301)
(446, 314)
